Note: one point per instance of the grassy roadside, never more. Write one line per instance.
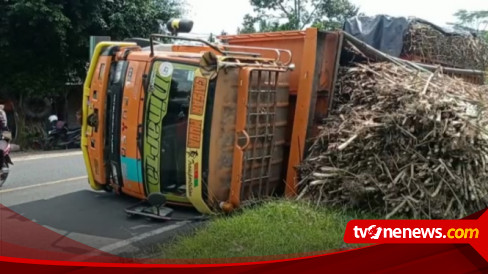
(278, 227)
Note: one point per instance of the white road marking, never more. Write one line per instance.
(44, 184)
(121, 244)
(45, 156)
(130, 241)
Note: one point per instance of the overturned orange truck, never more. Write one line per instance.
(211, 126)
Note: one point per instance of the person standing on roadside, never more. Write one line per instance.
(3, 119)
(78, 116)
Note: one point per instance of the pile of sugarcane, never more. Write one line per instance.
(427, 44)
(401, 143)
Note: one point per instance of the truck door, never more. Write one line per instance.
(164, 129)
(96, 118)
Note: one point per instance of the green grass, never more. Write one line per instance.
(275, 228)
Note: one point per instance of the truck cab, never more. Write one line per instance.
(205, 126)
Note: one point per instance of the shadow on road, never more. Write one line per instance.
(92, 213)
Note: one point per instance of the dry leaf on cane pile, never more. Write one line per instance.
(399, 142)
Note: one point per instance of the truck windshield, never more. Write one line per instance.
(165, 126)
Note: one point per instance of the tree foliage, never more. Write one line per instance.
(275, 15)
(44, 43)
(475, 22)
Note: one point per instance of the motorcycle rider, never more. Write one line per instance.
(3, 128)
(3, 119)
(54, 123)
(59, 135)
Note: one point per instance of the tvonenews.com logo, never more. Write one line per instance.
(466, 231)
(375, 232)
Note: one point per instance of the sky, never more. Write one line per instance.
(213, 16)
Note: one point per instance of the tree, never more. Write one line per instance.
(275, 15)
(44, 43)
(475, 22)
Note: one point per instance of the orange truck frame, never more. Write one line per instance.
(316, 56)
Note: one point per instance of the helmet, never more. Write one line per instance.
(53, 118)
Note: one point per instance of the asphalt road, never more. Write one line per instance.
(51, 189)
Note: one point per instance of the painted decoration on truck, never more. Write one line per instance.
(156, 109)
(194, 142)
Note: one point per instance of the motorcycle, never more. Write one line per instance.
(5, 160)
(61, 136)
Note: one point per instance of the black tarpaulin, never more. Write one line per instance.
(386, 33)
